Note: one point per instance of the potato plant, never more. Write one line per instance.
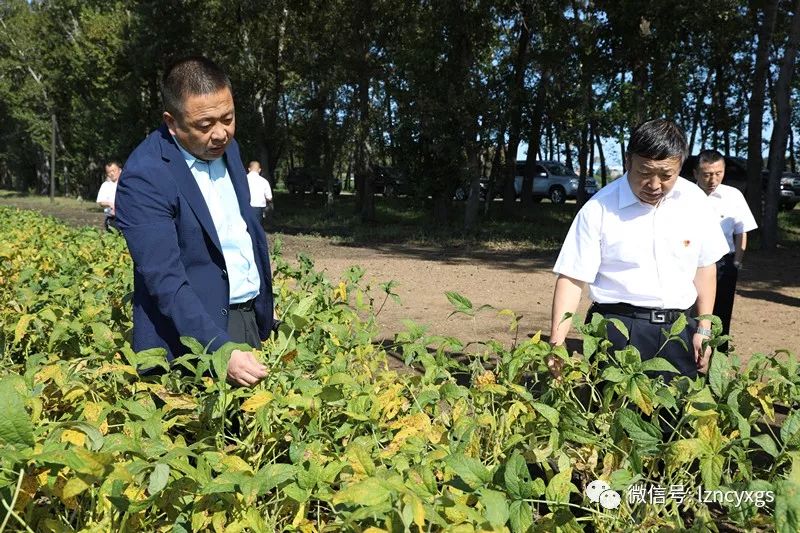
(350, 434)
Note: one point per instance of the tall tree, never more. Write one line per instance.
(780, 131)
(756, 107)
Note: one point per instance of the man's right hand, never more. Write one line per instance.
(244, 369)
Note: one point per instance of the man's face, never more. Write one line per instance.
(113, 172)
(206, 126)
(709, 175)
(652, 179)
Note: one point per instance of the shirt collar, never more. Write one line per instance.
(627, 198)
(187, 156)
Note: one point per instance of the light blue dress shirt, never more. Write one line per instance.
(237, 246)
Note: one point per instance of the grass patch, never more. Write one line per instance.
(542, 226)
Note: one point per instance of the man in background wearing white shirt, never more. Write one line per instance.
(260, 191)
(647, 246)
(107, 192)
(736, 220)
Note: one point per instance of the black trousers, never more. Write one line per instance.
(242, 326)
(727, 276)
(649, 340)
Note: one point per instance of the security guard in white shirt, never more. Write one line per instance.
(647, 245)
(735, 218)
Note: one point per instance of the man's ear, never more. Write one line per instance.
(627, 162)
(169, 120)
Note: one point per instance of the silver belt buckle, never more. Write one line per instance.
(658, 316)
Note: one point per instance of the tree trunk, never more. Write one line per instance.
(603, 170)
(756, 110)
(780, 132)
(622, 148)
(583, 152)
(591, 149)
(515, 107)
(534, 140)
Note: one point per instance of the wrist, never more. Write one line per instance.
(705, 332)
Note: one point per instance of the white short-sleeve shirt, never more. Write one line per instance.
(632, 252)
(107, 192)
(260, 191)
(733, 213)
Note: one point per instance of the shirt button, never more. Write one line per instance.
(224, 312)
(225, 274)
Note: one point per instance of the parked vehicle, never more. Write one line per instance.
(736, 176)
(390, 181)
(553, 180)
(462, 191)
(307, 179)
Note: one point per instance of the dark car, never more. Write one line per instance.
(390, 181)
(307, 179)
(736, 176)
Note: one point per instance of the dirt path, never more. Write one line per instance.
(766, 311)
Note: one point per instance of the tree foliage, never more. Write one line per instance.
(445, 91)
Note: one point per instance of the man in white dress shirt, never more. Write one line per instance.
(736, 220)
(107, 194)
(647, 246)
(260, 191)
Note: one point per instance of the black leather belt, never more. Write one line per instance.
(654, 316)
(244, 306)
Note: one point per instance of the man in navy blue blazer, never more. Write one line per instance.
(201, 265)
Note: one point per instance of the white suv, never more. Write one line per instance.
(553, 180)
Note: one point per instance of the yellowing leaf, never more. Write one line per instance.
(22, 326)
(257, 401)
(50, 372)
(236, 463)
(74, 437)
(73, 487)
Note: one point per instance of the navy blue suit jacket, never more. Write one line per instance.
(180, 281)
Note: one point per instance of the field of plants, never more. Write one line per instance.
(337, 439)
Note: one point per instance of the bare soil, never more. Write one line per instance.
(766, 311)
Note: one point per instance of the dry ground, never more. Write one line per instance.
(766, 310)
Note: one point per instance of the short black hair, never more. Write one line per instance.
(113, 162)
(709, 157)
(658, 139)
(190, 76)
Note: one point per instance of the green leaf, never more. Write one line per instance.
(590, 345)
(658, 364)
(614, 374)
(620, 327)
(560, 486)
(766, 443)
(273, 475)
(640, 432)
(549, 413)
(711, 470)
(789, 429)
(517, 477)
(369, 492)
(469, 469)
(461, 303)
(102, 335)
(521, 516)
(159, 478)
(678, 326)
(496, 507)
(787, 506)
(16, 428)
(719, 373)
